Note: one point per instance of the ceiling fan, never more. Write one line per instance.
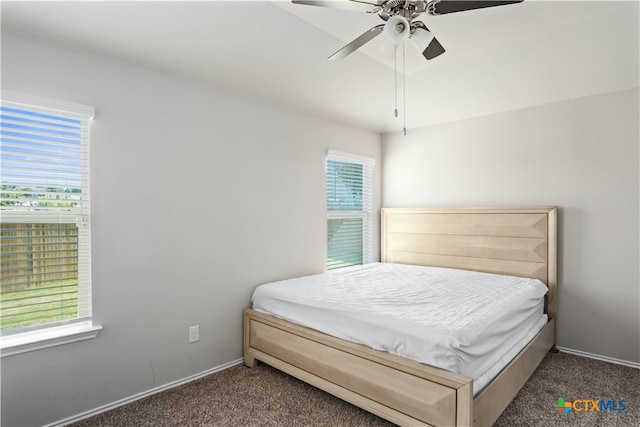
(400, 20)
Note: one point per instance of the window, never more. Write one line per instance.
(45, 245)
(349, 210)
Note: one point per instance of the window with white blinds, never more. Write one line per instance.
(349, 210)
(45, 247)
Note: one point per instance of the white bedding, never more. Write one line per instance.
(467, 322)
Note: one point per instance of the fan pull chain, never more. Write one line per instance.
(404, 95)
(395, 80)
(404, 87)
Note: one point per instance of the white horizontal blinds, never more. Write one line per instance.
(44, 216)
(349, 210)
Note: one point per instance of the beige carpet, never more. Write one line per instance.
(263, 396)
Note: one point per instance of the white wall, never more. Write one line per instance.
(198, 196)
(581, 155)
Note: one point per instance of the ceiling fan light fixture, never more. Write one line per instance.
(397, 29)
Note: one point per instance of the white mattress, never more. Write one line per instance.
(467, 322)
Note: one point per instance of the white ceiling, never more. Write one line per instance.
(497, 59)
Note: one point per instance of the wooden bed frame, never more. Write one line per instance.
(514, 241)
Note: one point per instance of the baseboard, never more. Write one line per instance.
(598, 357)
(144, 394)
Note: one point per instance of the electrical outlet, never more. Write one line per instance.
(194, 333)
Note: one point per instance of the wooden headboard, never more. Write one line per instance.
(519, 241)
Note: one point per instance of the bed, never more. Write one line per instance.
(507, 241)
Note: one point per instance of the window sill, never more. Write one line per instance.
(37, 340)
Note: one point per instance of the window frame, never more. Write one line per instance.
(81, 327)
(365, 213)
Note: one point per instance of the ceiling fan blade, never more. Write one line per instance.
(357, 43)
(434, 49)
(441, 7)
(424, 40)
(353, 5)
